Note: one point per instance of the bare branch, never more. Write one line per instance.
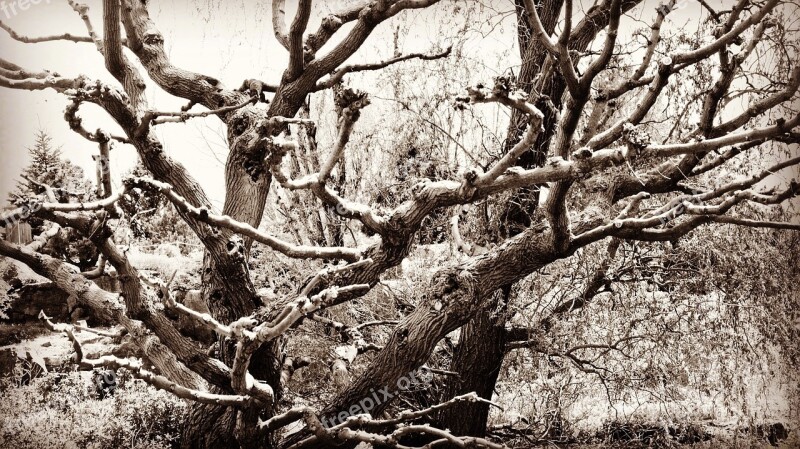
(26, 80)
(337, 76)
(157, 118)
(279, 22)
(205, 216)
(344, 431)
(83, 12)
(602, 60)
(458, 240)
(76, 124)
(655, 36)
(137, 370)
(33, 40)
(365, 24)
(329, 26)
(762, 105)
(722, 41)
(557, 51)
(147, 43)
(116, 62)
(203, 318)
(299, 24)
(781, 127)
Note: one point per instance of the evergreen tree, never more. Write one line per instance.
(152, 218)
(47, 168)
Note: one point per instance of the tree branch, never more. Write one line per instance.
(205, 216)
(299, 24)
(337, 76)
(137, 370)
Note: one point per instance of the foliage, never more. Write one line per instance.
(152, 221)
(707, 341)
(48, 169)
(62, 411)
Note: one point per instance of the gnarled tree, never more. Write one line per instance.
(594, 120)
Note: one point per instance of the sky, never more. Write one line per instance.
(229, 40)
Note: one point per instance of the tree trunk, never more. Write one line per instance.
(227, 287)
(482, 341)
(480, 352)
(477, 358)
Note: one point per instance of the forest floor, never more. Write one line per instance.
(54, 350)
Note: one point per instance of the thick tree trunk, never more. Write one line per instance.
(227, 287)
(480, 352)
(477, 359)
(209, 427)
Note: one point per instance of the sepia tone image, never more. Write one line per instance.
(399, 224)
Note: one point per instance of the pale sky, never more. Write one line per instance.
(229, 40)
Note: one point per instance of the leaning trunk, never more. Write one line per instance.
(477, 359)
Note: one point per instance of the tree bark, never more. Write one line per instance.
(477, 359)
(480, 352)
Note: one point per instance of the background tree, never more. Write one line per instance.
(50, 177)
(47, 167)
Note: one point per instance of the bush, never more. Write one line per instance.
(62, 411)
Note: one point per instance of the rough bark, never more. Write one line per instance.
(477, 359)
(482, 341)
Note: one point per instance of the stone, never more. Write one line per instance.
(30, 299)
(33, 298)
(193, 299)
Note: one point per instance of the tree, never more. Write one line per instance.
(631, 140)
(152, 219)
(50, 177)
(48, 168)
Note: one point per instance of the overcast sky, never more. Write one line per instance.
(230, 40)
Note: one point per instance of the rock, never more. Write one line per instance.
(773, 433)
(32, 298)
(193, 299)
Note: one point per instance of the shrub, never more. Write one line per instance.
(62, 411)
